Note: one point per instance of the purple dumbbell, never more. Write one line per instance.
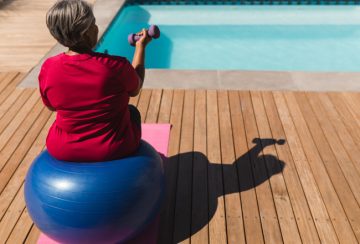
(153, 32)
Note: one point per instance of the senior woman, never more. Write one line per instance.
(89, 91)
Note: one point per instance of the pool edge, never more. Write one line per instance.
(252, 80)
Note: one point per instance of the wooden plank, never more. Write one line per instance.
(12, 156)
(356, 96)
(217, 223)
(8, 194)
(143, 103)
(18, 19)
(171, 167)
(9, 115)
(353, 105)
(200, 205)
(8, 78)
(251, 215)
(12, 215)
(347, 117)
(182, 218)
(11, 89)
(23, 225)
(21, 229)
(154, 106)
(9, 100)
(234, 218)
(346, 133)
(33, 236)
(17, 120)
(335, 210)
(164, 116)
(340, 184)
(165, 107)
(289, 229)
(269, 219)
(2, 75)
(20, 133)
(330, 198)
(341, 142)
(318, 210)
(299, 204)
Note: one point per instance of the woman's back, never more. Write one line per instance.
(89, 91)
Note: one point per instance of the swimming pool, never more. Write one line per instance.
(236, 37)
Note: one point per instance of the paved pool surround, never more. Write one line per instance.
(105, 11)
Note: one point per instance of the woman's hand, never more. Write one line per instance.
(144, 39)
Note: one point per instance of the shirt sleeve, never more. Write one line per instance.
(42, 81)
(132, 79)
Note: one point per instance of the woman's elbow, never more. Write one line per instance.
(135, 93)
(51, 109)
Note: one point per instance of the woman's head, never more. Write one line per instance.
(72, 23)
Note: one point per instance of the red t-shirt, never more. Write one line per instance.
(90, 93)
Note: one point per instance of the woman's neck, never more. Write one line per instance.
(71, 53)
(76, 51)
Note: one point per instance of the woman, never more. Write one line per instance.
(89, 91)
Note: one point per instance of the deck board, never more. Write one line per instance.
(268, 215)
(249, 205)
(25, 38)
(153, 110)
(223, 186)
(318, 210)
(336, 167)
(287, 222)
(182, 215)
(353, 106)
(330, 199)
(234, 218)
(171, 167)
(217, 215)
(200, 201)
(302, 212)
(339, 109)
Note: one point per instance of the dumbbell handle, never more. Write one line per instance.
(153, 32)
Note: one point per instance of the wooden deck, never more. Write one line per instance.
(25, 38)
(255, 167)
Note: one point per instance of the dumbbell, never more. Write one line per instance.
(153, 32)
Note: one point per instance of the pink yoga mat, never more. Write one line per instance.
(158, 136)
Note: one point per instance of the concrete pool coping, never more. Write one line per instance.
(105, 11)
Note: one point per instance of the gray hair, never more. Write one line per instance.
(69, 20)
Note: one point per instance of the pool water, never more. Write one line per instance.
(206, 37)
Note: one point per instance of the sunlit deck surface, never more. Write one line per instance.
(229, 177)
(243, 166)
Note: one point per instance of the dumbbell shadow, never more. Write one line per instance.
(196, 199)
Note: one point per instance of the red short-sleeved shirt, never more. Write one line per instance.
(90, 93)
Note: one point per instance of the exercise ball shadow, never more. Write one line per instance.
(246, 172)
(102, 202)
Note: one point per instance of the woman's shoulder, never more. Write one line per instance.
(52, 59)
(50, 62)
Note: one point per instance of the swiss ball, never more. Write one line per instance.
(101, 202)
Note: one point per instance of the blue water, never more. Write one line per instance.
(279, 38)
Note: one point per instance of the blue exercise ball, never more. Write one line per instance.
(101, 202)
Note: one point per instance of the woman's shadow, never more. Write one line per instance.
(208, 181)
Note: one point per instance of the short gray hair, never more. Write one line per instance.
(68, 21)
